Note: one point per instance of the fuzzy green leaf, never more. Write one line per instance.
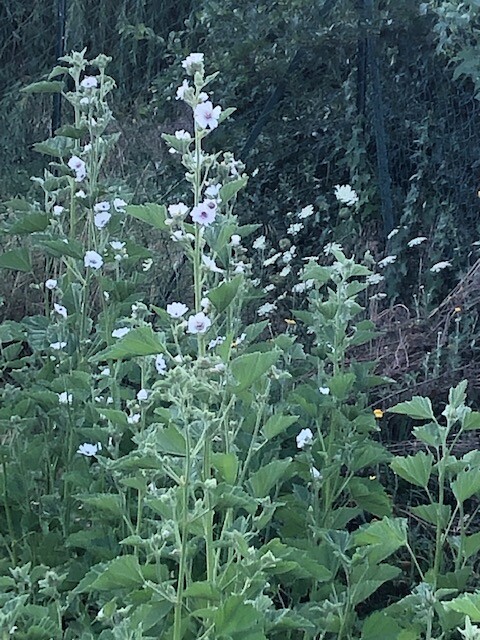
(277, 424)
(142, 341)
(229, 190)
(251, 366)
(222, 296)
(418, 408)
(466, 484)
(263, 480)
(44, 87)
(415, 469)
(151, 213)
(17, 260)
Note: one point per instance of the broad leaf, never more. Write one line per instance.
(263, 480)
(466, 484)
(142, 341)
(415, 469)
(17, 260)
(468, 604)
(277, 424)
(433, 512)
(151, 213)
(418, 407)
(44, 87)
(251, 366)
(223, 295)
(229, 190)
(227, 465)
(120, 573)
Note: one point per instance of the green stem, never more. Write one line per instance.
(178, 609)
(8, 514)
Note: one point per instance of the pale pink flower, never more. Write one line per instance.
(199, 323)
(176, 309)
(206, 115)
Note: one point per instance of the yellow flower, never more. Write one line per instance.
(458, 309)
(378, 413)
(290, 321)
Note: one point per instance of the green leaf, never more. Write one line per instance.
(277, 424)
(415, 469)
(121, 573)
(151, 213)
(29, 224)
(58, 248)
(142, 341)
(170, 440)
(380, 626)
(468, 604)
(471, 545)
(471, 421)
(17, 259)
(341, 385)
(263, 480)
(385, 536)
(109, 503)
(229, 190)
(222, 296)
(58, 147)
(368, 454)
(227, 465)
(457, 395)
(432, 433)
(202, 590)
(370, 496)
(466, 484)
(235, 617)
(433, 512)
(44, 87)
(249, 367)
(418, 408)
(368, 581)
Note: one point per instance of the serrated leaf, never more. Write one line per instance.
(227, 465)
(471, 421)
(222, 296)
(431, 433)
(170, 440)
(433, 512)
(151, 213)
(370, 496)
(418, 407)
(457, 395)
(109, 503)
(44, 86)
(249, 367)
(263, 480)
(142, 341)
(386, 536)
(466, 484)
(277, 424)
(415, 469)
(58, 248)
(471, 545)
(380, 625)
(17, 260)
(468, 604)
(229, 190)
(58, 147)
(120, 573)
(28, 224)
(368, 581)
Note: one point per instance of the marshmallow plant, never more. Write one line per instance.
(170, 469)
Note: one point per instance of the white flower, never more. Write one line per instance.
(306, 212)
(288, 255)
(260, 243)
(295, 228)
(235, 240)
(199, 323)
(203, 214)
(202, 96)
(440, 265)
(101, 219)
(285, 271)
(160, 364)
(211, 265)
(331, 247)
(315, 473)
(183, 135)
(177, 210)
(142, 395)
(117, 245)
(119, 333)
(206, 115)
(375, 278)
(89, 450)
(182, 89)
(58, 345)
(271, 260)
(305, 437)
(266, 308)
(101, 206)
(176, 309)
(205, 303)
(134, 418)
(93, 259)
(60, 309)
(393, 233)
(89, 82)
(240, 267)
(81, 194)
(386, 261)
(324, 391)
(216, 342)
(241, 338)
(213, 190)
(65, 398)
(87, 147)
(84, 101)
(345, 194)
(192, 62)
(178, 235)
(78, 166)
(105, 371)
(300, 287)
(147, 264)
(51, 283)
(58, 209)
(119, 205)
(268, 287)
(416, 241)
